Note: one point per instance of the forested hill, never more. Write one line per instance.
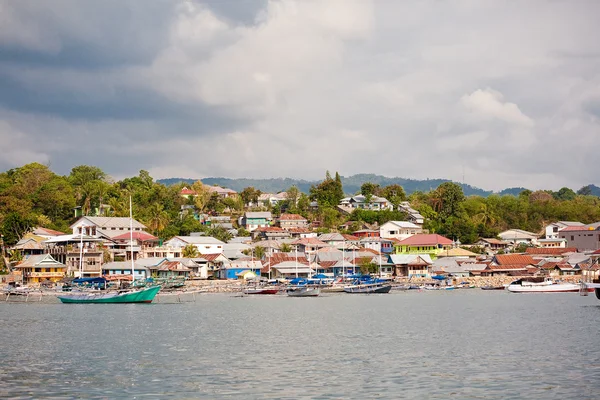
(351, 184)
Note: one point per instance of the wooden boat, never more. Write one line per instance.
(368, 288)
(260, 290)
(303, 291)
(493, 287)
(539, 285)
(143, 295)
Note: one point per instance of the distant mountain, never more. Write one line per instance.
(512, 191)
(590, 190)
(351, 184)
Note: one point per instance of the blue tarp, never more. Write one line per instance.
(89, 281)
(438, 277)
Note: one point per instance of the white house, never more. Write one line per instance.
(376, 203)
(204, 244)
(555, 227)
(399, 230)
(107, 227)
(412, 215)
(518, 236)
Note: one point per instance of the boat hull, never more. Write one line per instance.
(493, 288)
(368, 289)
(145, 295)
(261, 291)
(304, 292)
(556, 288)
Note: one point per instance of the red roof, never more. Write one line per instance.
(137, 235)
(310, 241)
(350, 238)
(574, 228)
(49, 231)
(550, 250)
(506, 267)
(425, 239)
(211, 257)
(514, 259)
(186, 191)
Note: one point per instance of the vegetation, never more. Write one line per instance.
(33, 195)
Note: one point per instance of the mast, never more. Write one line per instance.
(343, 258)
(380, 254)
(296, 262)
(81, 252)
(131, 241)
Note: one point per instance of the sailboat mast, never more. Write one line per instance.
(81, 251)
(296, 262)
(131, 240)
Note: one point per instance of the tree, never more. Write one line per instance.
(218, 232)
(292, 197)
(250, 195)
(585, 190)
(369, 189)
(259, 252)
(394, 194)
(285, 248)
(327, 193)
(368, 266)
(190, 251)
(202, 195)
(447, 199)
(564, 194)
(158, 218)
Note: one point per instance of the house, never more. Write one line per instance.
(308, 245)
(188, 194)
(333, 262)
(274, 259)
(380, 245)
(340, 240)
(510, 264)
(554, 268)
(37, 269)
(105, 227)
(554, 228)
(291, 269)
(583, 238)
(171, 269)
(30, 244)
(552, 243)
(222, 192)
(412, 215)
(270, 233)
(399, 230)
(457, 252)
(376, 203)
(431, 244)
(233, 269)
(411, 265)
(287, 221)
(492, 244)
(137, 243)
(255, 219)
(518, 236)
(82, 254)
(363, 233)
(271, 199)
(142, 270)
(46, 233)
(204, 244)
(542, 252)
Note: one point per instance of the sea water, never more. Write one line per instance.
(459, 344)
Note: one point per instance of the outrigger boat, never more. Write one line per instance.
(131, 295)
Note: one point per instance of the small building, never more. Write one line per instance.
(222, 192)
(380, 245)
(583, 238)
(431, 244)
(366, 233)
(204, 244)
(519, 236)
(256, 219)
(492, 244)
(399, 230)
(411, 265)
(232, 269)
(291, 269)
(552, 230)
(123, 268)
(287, 221)
(40, 268)
(375, 203)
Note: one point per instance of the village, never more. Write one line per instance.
(289, 246)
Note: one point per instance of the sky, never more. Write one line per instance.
(496, 94)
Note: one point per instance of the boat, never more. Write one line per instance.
(591, 287)
(541, 285)
(303, 291)
(143, 295)
(260, 290)
(493, 287)
(366, 284)
(133, 294)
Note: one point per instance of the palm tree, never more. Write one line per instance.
(158, 218)
(259, 252)
(285, 248)
(190, 251)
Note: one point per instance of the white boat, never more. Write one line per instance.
(541, 285)
(304, 291)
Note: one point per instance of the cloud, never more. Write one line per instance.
(271, 88)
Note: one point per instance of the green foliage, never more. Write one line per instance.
(190, 251)
(285, 248)
(368, 267)
(327, 193)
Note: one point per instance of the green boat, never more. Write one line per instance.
(143, 295)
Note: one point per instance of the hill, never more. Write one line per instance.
(351, 184)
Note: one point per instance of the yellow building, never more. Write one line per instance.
(41, 268)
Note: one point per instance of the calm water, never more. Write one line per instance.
(461, 344)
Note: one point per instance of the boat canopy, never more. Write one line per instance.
(89, 281)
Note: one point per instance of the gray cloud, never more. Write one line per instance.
(506, 93)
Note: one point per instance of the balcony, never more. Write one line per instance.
(45, 274)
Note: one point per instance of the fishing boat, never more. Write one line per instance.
(366, 284)
(260, 290)
(541, 285)
(303, 291)
(143, 295)
(134, 294)
(493, 287)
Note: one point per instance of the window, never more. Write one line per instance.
(572, 237)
